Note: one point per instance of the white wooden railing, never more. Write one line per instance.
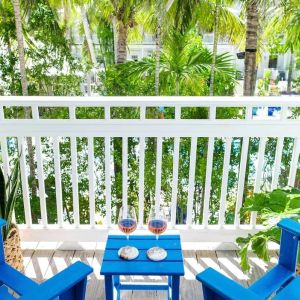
(107, 128)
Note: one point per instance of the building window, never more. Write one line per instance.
(273, 62)
(134, 57)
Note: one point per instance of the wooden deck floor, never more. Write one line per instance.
(43, 264)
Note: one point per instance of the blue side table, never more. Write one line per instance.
(113, 266)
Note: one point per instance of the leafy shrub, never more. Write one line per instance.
(271, 208)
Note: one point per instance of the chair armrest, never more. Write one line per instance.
(2, 223)
(224, 286)
(291, 226)
(60, 283)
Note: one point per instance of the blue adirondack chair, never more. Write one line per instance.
(280, 279)
(69, 284)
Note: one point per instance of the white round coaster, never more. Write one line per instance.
(157, 254)
(128, 253)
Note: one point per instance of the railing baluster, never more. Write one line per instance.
(107, 181)
(58, 189)
(142, 112)
(141, 180)
(158, 173)
(75, 181)
(224, 186)
(277, 163)
(191, 187)
(91, 163)
(175, 181)
(24, 180)
(72, 113)
(107, 112)
(294, 162)
(209, 165)
(1, 112)
(125, 172)
(241, 181)
(40, 174)
(259, 171)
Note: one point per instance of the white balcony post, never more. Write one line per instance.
(91, 163)
(58, 188)
(224, 186)
(24, 180)
(141, 181)
(191, 186)
(125, 172)
(158, 174)
(259, 173)
(107, 181)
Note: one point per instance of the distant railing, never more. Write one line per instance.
(245, 125)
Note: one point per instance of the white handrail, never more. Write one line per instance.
(107, 128)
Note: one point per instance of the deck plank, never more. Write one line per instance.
(39, 264)
(190, 288)
(230, 265)
(43, 264)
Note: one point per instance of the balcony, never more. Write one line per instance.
(228, 150)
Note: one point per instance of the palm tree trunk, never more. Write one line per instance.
(251, 48)
(24, 84)
(215, 48)
(21, 51)
(88, 36)
(115, 32)
(290, 74)
(157, 56)
(122, 43)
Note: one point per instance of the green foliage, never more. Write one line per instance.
(117, 82)
(271, 208)
(185, 67)
(263, 83)
(8, 196)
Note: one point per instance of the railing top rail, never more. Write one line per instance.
(132, 101)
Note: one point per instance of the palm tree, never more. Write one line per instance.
(121, 13)
(153, 17)
(216, 16)
(251, 47)
(257, 16)
(184, 65)
(24, 84)
(69, 12)
(285, 23)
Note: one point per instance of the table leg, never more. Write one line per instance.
(169, 288)
(116, 284)
(109, 288)
(175, 287)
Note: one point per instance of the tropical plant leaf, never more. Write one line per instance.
(271, 207)
(2, 195)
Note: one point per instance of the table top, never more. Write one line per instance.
(114, 265)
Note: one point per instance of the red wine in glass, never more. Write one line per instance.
(127, 226)
(157, 226)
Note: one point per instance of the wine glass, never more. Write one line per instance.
(127, 223)
(157, 224)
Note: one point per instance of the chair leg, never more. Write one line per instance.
(209, 294)
(77, 292)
